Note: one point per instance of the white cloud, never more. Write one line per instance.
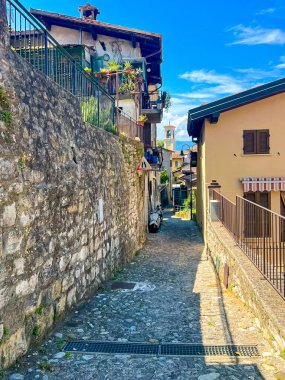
(220, 83)
(282, 64)
(247, 35)
(208, 85)
(197, 95)
(266, 11)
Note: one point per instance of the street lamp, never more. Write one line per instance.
(182, 154)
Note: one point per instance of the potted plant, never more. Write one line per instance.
(88, 70)
(142, 120)
(114, 66)
(127, 67)
(103, 75)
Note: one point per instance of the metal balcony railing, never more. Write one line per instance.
(260, 233)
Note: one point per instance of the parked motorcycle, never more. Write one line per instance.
(155, 219)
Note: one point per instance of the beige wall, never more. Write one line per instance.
(70, 36)
(225, 161)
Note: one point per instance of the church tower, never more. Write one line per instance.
(169, 137)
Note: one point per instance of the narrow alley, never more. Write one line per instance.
(176, 300)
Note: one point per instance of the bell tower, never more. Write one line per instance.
(169, 137)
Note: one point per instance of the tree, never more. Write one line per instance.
(160, 143)
(164, 177)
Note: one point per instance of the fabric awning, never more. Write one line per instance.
(263, 184)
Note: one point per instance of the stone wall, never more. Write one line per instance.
(72, 206)
(246, 282)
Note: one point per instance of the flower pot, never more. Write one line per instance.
(141, 123)
(103, 80)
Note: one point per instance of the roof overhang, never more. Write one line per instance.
(150, 43)
(212, 111)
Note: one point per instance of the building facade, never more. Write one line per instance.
(240, 146)
(95, 44)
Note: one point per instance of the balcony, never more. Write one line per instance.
(152, 106)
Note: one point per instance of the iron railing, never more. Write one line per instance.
(30, 39)
(260, 233)
(128, 126)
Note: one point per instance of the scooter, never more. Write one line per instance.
(155, 220)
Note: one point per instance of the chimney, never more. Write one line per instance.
(89, 11)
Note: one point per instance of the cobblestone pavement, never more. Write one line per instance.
(177, 300)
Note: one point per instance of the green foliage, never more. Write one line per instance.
(36, 330)
(5, 336)
(45, 366)
(22, 161)
(67, 355)
(167, 101)
(164, 177)
(90, 114)
(143, 118)
(2, 373)
(114, 66)
(6, 117)
(55, 315)
(282, 354)
(40, 309)
(160, 143)
(4, 102)
(59, 343)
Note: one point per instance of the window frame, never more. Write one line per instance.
(256, 147)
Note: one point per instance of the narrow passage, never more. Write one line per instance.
(176, 300)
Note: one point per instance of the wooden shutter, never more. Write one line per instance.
(248, 142)
(262, 141)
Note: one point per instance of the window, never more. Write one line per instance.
(176, 164)
(256, 141)
(168, 134)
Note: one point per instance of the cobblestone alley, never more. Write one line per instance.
(176, 299)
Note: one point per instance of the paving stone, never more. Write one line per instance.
(178, 300)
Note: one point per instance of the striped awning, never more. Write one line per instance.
(263, 184)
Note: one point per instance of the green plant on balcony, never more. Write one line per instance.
(114, 66)
(167, 101)
(87, 70)
(89, 110)
(103, 75)
(142, 119)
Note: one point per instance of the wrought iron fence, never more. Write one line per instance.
(30, 39)
(260, 233)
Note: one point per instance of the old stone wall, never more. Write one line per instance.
(71, 204)
(245, 281)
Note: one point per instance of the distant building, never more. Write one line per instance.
(169, 137)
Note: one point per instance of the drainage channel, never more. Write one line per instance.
(161, 349)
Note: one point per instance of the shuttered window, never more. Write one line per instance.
(256, 141)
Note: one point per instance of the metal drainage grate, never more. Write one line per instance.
(113, 348)
(161, 349)
(204, 350)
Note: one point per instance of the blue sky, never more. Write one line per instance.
(211, 48)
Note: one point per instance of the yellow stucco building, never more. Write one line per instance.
(241, 145)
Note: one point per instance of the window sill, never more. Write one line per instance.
(256, 155)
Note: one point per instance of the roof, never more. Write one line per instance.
(150, 43)
(176, 155)
(196, 116)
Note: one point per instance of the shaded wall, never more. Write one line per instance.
(72, 207)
